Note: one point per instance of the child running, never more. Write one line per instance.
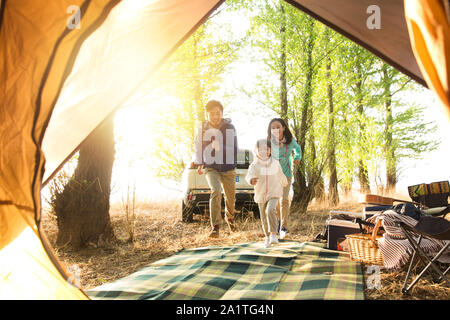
(266, 175)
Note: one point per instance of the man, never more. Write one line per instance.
(215, 150)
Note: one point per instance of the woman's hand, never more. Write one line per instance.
(253, 181)
(200, 169)
(296, 162)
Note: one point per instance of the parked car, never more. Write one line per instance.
(197, 191)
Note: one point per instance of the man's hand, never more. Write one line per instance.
(253, 181)
(200, 169)
(296, 162)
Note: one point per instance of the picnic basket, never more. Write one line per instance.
(363, 247)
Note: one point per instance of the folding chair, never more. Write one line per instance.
(432, 228)
(432, 197)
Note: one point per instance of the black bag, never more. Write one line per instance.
(324, 234)
(408, 209)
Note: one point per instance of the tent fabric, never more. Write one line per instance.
(34, 45)
(353, 19)
(429, 29)
(27, 272)
(38, 51)
(59, 80)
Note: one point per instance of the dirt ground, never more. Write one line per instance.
(159, 233)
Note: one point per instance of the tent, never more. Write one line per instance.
(65, 65)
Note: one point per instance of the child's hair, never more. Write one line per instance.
(213, 104)
(261, 142)
(287, 133)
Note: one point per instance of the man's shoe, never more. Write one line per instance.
(214, 232)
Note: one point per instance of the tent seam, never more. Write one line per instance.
(2, 11)
(19, 206)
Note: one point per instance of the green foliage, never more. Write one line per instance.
(192, 74)
(359, 81)
(301, 60)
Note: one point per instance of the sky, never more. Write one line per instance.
(435, 165)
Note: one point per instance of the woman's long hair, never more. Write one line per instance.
(287, 133)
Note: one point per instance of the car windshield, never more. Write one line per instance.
(244, 158)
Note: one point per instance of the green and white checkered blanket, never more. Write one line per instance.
(289, 270)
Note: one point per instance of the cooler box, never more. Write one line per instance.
(338, 229)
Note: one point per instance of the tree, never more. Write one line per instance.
(286, 40)
(82, 206)
(402, 132)
(333, 194)
(191, 75)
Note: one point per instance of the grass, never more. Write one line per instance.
(158, 233)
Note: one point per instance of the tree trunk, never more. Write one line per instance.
(391, 166)
(283, 84)
(346, 183)
(319, 190)
(82, 208)
(333, 194)
(304, 189)
(319, 187)
(363, 174)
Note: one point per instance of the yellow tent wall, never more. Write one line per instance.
(58, 83)
(429, 29)
(38, 49)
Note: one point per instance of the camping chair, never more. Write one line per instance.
(432, 198)
(434, 228)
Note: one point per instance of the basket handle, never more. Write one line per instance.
(361, 222)
(375, 230)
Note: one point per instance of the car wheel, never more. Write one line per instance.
(186, 212)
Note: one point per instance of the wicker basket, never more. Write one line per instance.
(364, 247)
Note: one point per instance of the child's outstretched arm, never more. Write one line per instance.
(251, 174)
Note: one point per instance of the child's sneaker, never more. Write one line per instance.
(283, 233)
(273, 239)
(267, 242)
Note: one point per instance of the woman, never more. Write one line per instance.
(283, 145)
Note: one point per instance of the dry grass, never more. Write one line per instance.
(159, 233)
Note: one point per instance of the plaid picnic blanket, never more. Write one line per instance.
(287, 271)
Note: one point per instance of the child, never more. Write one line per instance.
(266, 175)
(283, 144)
